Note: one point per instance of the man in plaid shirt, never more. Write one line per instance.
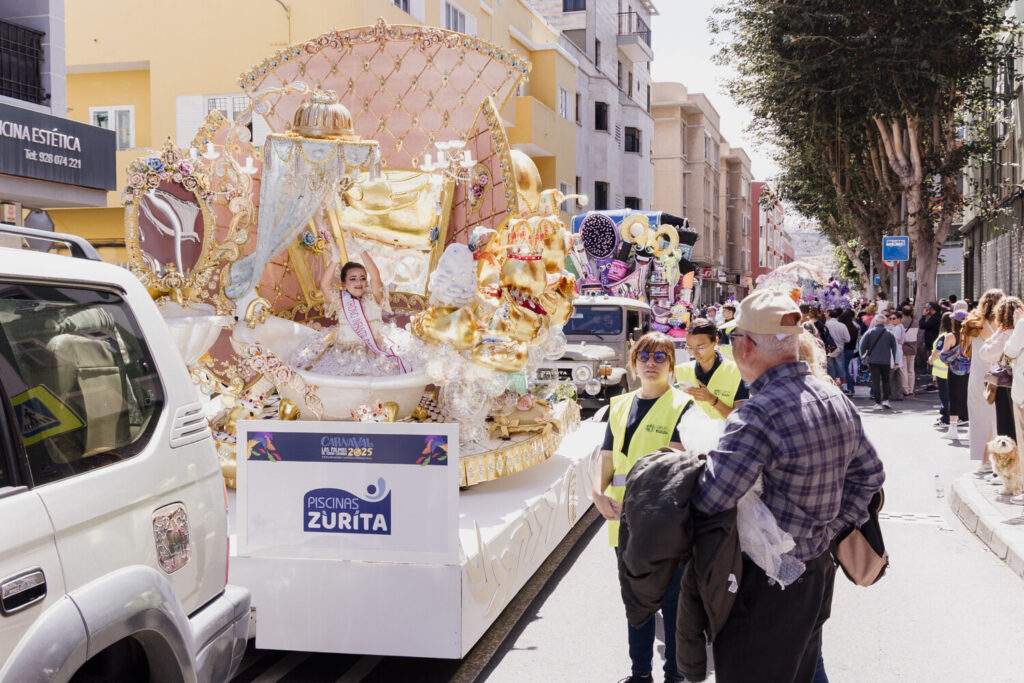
(805, 440)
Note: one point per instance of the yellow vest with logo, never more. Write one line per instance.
(726, 349)
(940, 369)
(724, 384)
(653, 432)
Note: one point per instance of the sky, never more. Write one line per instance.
(683, 54)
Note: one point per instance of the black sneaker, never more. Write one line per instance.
(638, 679)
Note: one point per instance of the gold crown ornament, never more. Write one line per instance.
(323, 116)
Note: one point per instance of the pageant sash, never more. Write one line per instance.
(353, 310)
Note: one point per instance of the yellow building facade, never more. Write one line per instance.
(153, 70)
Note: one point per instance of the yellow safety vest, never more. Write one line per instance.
(939, 369)
(726, 348)
(724, 384)
(653, 432)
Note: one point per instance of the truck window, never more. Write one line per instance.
(633, 321)
(81, 382)
(602, 320)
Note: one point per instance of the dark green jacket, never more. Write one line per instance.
(660, 531)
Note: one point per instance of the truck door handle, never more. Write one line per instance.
(22, 590)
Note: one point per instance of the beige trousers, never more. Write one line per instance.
(908, 374)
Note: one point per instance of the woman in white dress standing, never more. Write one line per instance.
(979, 326)
(895, 327)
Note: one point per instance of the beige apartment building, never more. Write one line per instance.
(699, 176)
(735, 210)
(611, 43)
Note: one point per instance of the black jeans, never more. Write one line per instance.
(943, 385)
(1005, 424)
(641, 640)
(881, 375)
(754, 646)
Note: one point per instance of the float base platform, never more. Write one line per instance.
(507, 528)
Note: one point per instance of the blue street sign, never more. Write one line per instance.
(878, 279)
(896, 248)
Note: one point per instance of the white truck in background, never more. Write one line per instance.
(114, 550)
(598, 340)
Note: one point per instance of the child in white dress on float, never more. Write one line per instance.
(361, 343)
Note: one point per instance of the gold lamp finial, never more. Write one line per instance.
(323, 116)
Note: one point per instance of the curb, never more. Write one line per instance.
(987, 522)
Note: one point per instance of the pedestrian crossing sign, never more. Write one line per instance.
(41, 414)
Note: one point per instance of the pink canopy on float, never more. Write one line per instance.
(406, 87)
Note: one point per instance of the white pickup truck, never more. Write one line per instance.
(114, 547)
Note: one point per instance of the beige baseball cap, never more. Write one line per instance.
(764, 311)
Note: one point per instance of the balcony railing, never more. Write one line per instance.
(21, 59)
(631, 23)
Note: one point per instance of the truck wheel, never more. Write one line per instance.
(123, 661)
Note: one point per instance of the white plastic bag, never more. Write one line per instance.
(760, 536)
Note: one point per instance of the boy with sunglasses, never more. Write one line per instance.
(712, 380)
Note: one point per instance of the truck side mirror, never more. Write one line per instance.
(637, 333)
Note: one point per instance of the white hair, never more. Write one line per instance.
(776, 346)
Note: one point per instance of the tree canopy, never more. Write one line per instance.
(867, 103)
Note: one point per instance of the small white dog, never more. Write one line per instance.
(1006, 463)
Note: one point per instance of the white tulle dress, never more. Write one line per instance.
(340, 351)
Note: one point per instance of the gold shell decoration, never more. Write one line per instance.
(323, 116)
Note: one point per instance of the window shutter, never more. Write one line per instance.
(188, 117)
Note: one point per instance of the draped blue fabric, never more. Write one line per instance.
(299, 176)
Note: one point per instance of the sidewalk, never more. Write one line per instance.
(991, 517)
(984, 512)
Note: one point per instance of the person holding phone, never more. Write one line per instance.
(639, 423)
(713, 381)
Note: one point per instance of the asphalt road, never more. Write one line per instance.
(948, 610)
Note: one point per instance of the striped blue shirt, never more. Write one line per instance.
(805, 438)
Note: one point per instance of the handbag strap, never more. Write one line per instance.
(877, 339)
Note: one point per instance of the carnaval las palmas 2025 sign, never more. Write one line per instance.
(348, 490)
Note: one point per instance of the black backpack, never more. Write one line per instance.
(826, 338)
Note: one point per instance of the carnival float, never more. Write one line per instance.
(383, 266)
(641, 255)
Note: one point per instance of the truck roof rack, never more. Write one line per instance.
(78, 246)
